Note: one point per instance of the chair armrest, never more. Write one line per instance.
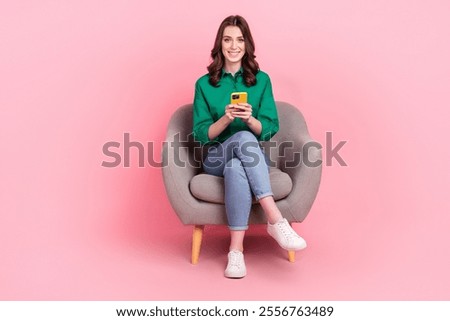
(303, 163)
(179, 163)
(301, 158)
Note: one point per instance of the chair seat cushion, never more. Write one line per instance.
(210, 188)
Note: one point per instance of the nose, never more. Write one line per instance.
(233, 44)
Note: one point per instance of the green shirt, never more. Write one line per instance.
(210, 102)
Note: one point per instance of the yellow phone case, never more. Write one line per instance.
(238, 97)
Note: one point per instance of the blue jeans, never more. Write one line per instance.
(245, 169)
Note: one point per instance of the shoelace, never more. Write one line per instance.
(234, 259)
(287, 231)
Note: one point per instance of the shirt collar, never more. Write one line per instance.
(239, 72)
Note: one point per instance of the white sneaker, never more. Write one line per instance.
(236, 265)
(285, 235)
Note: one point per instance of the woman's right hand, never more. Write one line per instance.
(222, 123)
(229, 111)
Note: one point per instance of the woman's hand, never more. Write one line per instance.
(222, 123)
(243, 111)
(229, 110)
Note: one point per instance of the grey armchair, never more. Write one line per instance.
(198, 198)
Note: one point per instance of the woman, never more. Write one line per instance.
(234, 132)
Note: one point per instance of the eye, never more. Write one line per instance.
(226, 39)
(241, 39)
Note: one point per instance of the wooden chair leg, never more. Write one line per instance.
(291, 256)
(196, 243)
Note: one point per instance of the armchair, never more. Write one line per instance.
(198, 198)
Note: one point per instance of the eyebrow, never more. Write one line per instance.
(232, 37)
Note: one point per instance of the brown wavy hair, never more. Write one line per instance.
(249, 64)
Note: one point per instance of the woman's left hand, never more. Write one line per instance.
(243, 111)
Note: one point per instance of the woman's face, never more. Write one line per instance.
(233, 45)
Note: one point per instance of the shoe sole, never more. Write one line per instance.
(234, 277)
(285, 248)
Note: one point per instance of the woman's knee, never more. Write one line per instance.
(245, 136)
(234, 168)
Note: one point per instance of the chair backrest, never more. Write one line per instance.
(292, 124)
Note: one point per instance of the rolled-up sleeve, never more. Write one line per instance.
(202, 119)
(267, 114)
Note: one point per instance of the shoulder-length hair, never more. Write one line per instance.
(249, 65)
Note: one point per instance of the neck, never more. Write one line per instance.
(232, 68)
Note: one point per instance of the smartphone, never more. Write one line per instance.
(238, 97)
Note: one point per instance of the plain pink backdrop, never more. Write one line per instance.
(77, 74)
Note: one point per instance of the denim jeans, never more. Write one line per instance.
(245, 169)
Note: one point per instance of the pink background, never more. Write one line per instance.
(77, 74)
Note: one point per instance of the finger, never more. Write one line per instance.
(241, 115)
